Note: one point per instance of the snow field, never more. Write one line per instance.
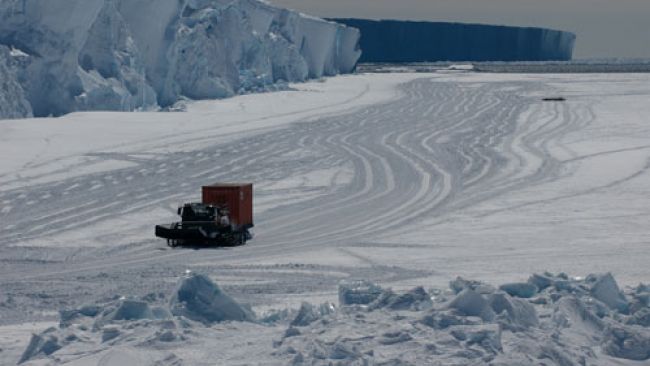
(404, 180)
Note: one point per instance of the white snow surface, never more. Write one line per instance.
(403, 180)
(125, 55)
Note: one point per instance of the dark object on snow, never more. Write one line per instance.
(223, 218)
(554, 99)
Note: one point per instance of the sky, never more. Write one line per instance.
(605, 28)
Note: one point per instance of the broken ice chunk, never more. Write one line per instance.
(520, 289)
(632, 343)
(605, 289)
(516, 312)
(200, 299)
(358, 292)
(471, 303)
(460, 284)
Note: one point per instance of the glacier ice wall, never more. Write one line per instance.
(405, 41)
(13, 103)
(131, 54)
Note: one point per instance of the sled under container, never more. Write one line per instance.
(237, 197)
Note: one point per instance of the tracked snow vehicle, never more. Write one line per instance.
(225, 217)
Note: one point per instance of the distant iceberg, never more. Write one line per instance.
(131, 54)
(406, 41)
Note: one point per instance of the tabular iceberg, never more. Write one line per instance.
(406, 41)
(130, 54)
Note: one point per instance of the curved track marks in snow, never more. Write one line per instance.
(440, 147)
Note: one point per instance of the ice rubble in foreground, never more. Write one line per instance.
(550, 320)
(125, 54)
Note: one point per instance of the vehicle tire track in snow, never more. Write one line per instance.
(439, 147)
(406, 110)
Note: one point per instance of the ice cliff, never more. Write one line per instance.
(130, 54)
(13, 103)
(404, 41)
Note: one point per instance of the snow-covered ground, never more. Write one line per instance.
(403, 179)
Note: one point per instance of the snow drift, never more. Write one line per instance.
(124, 55)
(550, 319)
(405, 41)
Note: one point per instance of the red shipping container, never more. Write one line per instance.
(237, 197)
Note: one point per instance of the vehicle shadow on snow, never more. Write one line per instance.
(199, 246)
